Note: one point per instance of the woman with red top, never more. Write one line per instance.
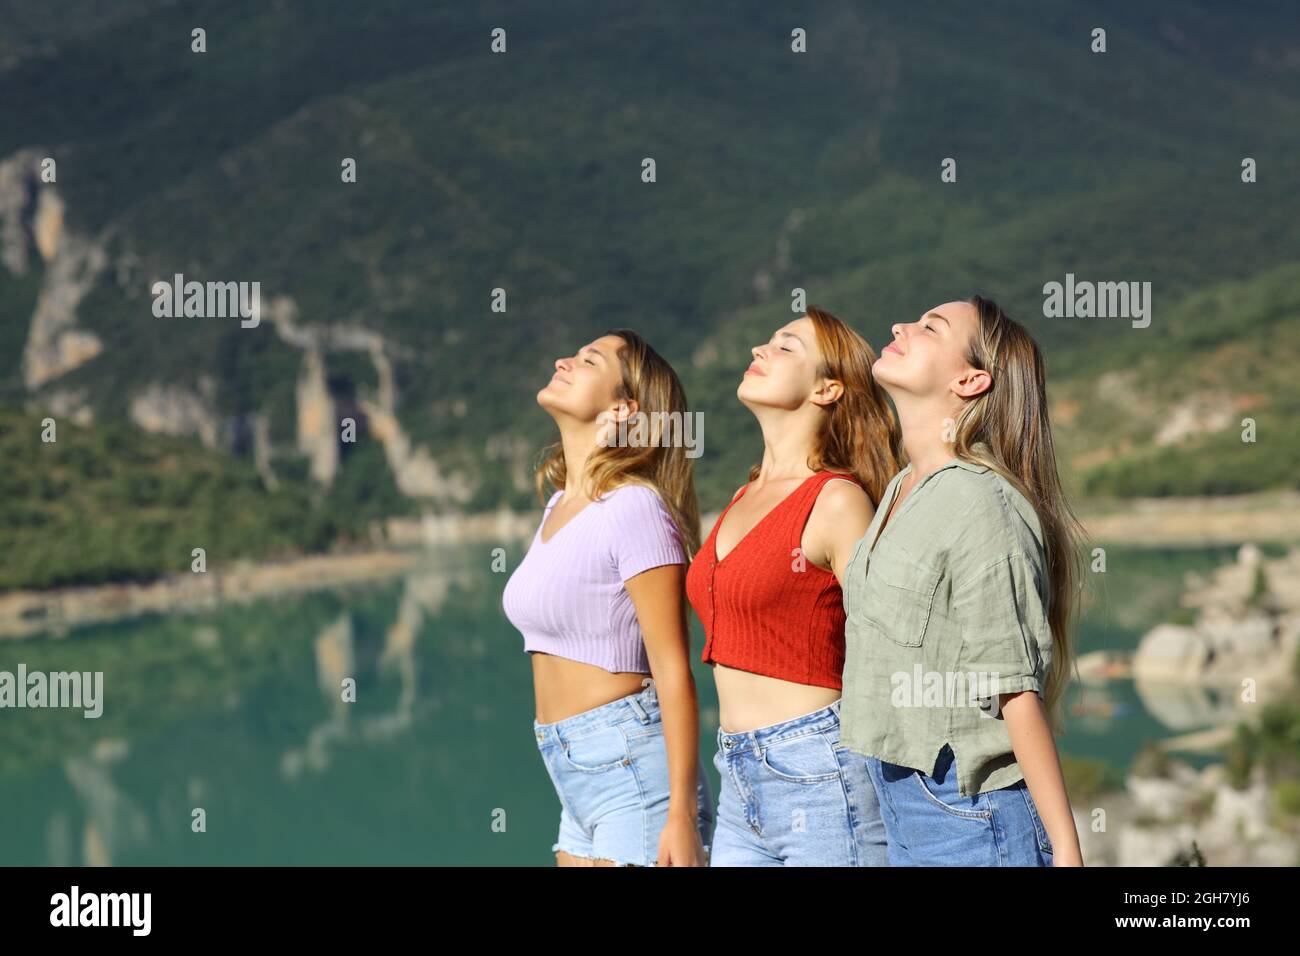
(766, 585)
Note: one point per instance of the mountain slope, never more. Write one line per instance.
(522, 171)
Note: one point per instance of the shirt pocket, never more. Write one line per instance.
(898, 596)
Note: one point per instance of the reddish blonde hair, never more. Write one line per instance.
(859, 433)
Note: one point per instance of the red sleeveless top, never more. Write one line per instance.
(766, 608)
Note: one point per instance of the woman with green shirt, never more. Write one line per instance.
(959, 603)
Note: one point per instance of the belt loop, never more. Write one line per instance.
(635, 704)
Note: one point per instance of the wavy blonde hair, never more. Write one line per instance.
(1007, 429)
(859, 433)
(651, 382)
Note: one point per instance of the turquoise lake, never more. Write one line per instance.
(237, 711)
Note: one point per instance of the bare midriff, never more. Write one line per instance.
(563, 688)
(747, 701)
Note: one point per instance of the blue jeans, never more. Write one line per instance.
(610, 770)
(930, 824)
(792, 796)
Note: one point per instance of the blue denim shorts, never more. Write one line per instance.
(930, 824)
(793, 796)
(610, 770)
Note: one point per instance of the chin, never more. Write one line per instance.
(894, 387)
(546, 399)
(883, 375)
(745, 392)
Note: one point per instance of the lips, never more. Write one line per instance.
(754, 370)
(892, 347)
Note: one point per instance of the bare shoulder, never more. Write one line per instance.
(843, 500)
(841, 513)
(839, 519)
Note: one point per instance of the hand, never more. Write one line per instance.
(680, 844)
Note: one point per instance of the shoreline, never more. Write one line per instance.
(53, 612)
(1265, 518)
(1270, 518)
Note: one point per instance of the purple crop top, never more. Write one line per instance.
(567, 596)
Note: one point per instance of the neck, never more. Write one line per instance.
(924, 423)
(789, 440)
(579, 441)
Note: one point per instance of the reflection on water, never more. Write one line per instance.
(114, 820)
(422, 594)
(242, 713)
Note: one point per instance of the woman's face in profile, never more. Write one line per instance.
(584, 384)
(783, 372)
(925, 356)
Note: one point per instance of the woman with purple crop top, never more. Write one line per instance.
(599, 600)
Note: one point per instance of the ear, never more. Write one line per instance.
(832, 391)
(972, 383)
(625, 409)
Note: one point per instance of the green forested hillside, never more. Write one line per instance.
(1168, 416)
(774, 171)
(111, 503)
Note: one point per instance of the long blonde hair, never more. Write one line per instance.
(859, 433)
(1010, 422)
(651, 382)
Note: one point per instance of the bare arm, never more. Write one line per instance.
(1035, 749)
(837, 523)
(657, 595)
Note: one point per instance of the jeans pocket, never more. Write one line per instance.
(595, 751)
(946, 797)
(652, 727)
(1044, 842)
(809, 758)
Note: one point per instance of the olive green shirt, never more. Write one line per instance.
(944, 612)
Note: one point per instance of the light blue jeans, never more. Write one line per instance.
(930, 824)
(610, 770)
(793, 796)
